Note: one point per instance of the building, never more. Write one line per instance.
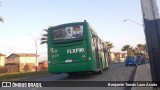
(120, 56)
(117, 56)
(124, 55)
(112, 56)
(2, 60)
(22, 61)
(43, 65)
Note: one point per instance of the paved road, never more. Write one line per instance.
(116, 72)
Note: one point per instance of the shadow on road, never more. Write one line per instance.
(131, 78)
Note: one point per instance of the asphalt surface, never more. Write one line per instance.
(116, 72)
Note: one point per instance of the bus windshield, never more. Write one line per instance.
(69, 32)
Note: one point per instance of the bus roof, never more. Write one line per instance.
(74, 23)
(66, 24)
(93, 31)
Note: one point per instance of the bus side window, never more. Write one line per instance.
(93, 39)
(99, 45)
(102, 46)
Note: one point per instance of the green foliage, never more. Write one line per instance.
(44, 38)
(109, 45)
(126, 48)
(140, 48)
(1, 19)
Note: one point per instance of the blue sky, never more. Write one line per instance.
(22, 17)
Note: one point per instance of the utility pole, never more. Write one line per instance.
(36, 45)
(152, 33)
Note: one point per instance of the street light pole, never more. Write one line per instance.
(36, 45)
(132, 21)
(152, 27)
(36, 54)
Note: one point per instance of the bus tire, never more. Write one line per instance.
(107, 68)
(71, 74)
(107, 65)
(101, 69)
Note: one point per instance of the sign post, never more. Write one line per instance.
(152, 34)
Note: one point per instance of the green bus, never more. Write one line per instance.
(74, 48)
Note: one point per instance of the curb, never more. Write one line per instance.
(142, 74)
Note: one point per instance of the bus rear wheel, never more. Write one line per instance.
(100, 71)
(71, 74)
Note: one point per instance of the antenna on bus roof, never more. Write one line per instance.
(84, 20)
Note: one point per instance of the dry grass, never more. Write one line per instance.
(16, 75)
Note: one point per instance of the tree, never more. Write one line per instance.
(140, 47)
(44, 38)
(143, 49)
(1, 19)
(130, 50)
(126, 48)
(109, 47)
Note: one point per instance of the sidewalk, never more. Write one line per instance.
(143, 74)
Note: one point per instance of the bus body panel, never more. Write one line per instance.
(71, 67)
(68, 54)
